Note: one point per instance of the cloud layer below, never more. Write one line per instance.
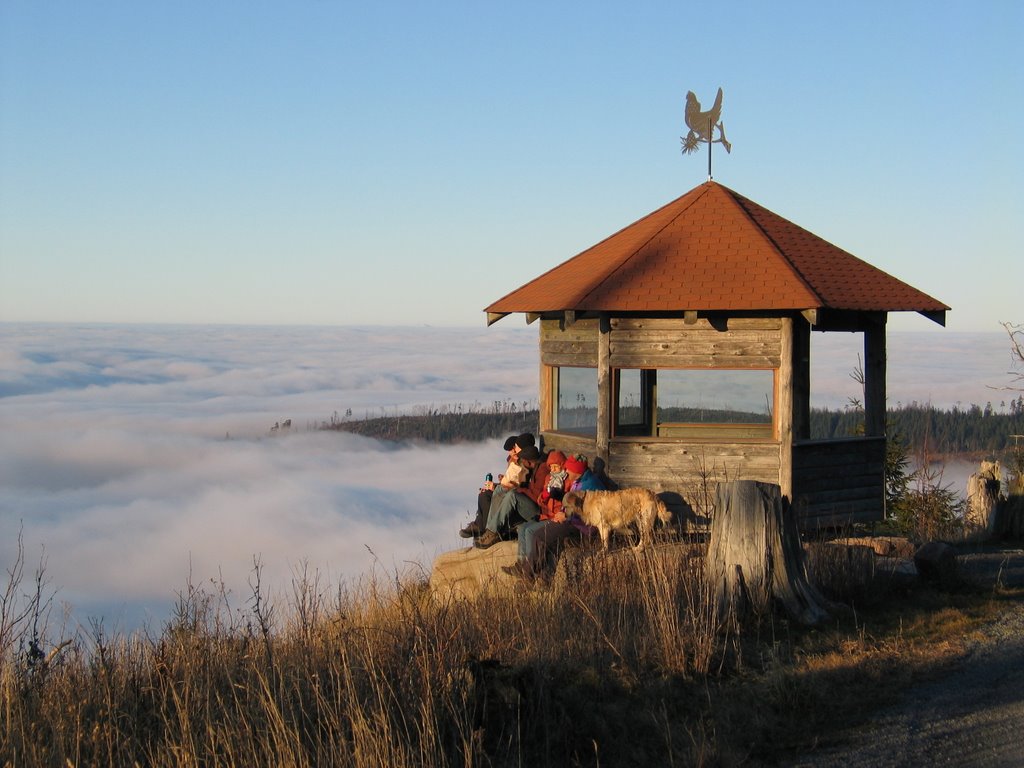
(133, 459)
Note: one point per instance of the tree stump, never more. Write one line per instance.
(754, 555)
(1007, 521)
(982, 497)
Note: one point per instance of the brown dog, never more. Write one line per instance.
(616, 510)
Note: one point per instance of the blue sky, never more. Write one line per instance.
(408, 163)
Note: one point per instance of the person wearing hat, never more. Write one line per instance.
(520, 504)
(550, 510)
(513, 445)
(541, 540)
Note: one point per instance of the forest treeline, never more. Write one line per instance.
(447, 424)
(932, 430)
(975, 429)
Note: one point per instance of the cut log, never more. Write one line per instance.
(755, 558)
(982, 497)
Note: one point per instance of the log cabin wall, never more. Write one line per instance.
(575, 345)
(673, 343)
(683, 465)
(839, 482)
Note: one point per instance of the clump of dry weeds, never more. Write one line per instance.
(620, 662)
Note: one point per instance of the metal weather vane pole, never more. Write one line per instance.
(711, 128)
(696, 121)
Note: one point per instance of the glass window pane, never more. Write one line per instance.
(716, 396)
(577, 401)
(631, 412)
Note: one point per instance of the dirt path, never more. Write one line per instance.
(971, 716)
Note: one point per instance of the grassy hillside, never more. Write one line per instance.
(625, 667)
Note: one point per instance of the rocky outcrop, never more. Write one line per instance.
(936, 563)
(469, 572)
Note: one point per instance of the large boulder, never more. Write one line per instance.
(936, 563)
(470, 571)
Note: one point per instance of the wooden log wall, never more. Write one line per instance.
(680, 466)
(570, 444)
(666, 343)
(833, 482)
(838, 482)
(673, 465)
(672, 343)
(573, 345)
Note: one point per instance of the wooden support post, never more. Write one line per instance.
(784, 408)
(604, 388)
(801, 379)
(546, 400)
(874, 377)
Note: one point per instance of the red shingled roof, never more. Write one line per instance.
(713, 249)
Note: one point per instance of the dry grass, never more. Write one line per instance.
(618, 663)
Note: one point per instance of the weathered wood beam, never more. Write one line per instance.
(811, 316)
(570, 317)
(547, 398)
(493, 317)
(784, 409)
(801, 379)
(874, 378)
(604, 389)
(936, 317)
(532, 317)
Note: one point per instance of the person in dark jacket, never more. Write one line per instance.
(513, 445)
(518, 505)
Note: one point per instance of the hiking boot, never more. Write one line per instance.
(470, 530)
(487, 539)
(520, 569)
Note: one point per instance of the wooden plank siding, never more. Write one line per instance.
(830, 482)
(838, 482)
(569, 444)
(675, 465)
(573, 345)
(667, 343)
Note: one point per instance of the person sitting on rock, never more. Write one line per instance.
(541, 540)
(554, 486)
(513, 445)
(517, 505)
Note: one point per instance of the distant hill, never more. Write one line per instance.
(450, 424)
(954, 431)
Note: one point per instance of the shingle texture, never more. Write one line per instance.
(713, 249)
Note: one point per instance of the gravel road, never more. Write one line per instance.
(971, 716)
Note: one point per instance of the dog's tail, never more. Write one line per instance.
(664, 513)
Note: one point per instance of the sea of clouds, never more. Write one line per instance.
(136, 459)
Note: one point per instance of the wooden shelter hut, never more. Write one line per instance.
(677, 351)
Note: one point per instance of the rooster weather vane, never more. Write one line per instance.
(702, 126)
